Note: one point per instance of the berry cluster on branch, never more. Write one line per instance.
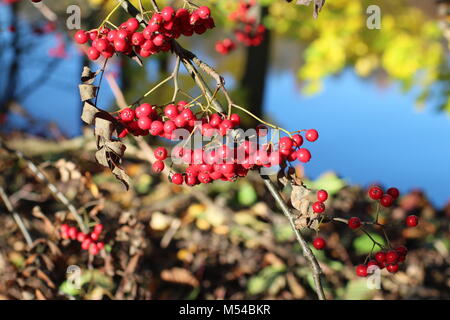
(155, 37)
(89, 241)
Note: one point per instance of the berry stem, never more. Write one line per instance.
(304, 245)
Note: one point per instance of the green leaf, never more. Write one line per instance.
(264, 279)
(358, 290)
(328, 181)
(363, 244)
(247, 195)
(69, 288)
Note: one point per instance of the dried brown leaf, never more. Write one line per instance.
(122, 176)
(103, 128)
(87, 91)
(180, 275)
(116, 147)
(101, 157)
(89, 112)
(87, 76)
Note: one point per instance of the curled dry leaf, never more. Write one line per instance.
(318, 4)
(110, 152)
(181, 276)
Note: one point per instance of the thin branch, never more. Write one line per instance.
(53, 189)
(16, 217)
(309, 255)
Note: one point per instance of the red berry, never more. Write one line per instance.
(298, 140)
(361, 270)
(81, 237)
(322, 195)
(354, 223)
(402, 250)
(93, 249)
(98, 228)
(318, 207)
(171, 111)
(386, 200)
(121, 45)
(144, 123)
(370, 264)
(65, 228)
(235, 119)
(177, 178)
(204, 12)
(380, 257)
(375, 193)
(285, 143)
(319, 243)
(158, 166)
(392, 268)
(81, 37)
(144, 110)
(100, 245)
(303, 155)
(127, 115)
(393, 192)
(86, 244)
(160, 153)
(412, 221)
(132, 24)
(94, 236)
(167, 13)
(312, 135)
(93, 53)
(156, 128)
(137, 39)
(391, 257)
(72, 232)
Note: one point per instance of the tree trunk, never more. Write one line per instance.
(256, 68)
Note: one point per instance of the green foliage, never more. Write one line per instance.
(363, 244)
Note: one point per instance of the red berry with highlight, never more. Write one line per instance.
(354, 223)
(318, 207)
(319, 243)
(412, 221)
(312, 135)
(322, 195)
(375, 193)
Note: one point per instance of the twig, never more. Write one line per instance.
(186, 58)
(53, 189)
(304, 245)
(16, 217)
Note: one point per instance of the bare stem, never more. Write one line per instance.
(17, 218)
(53, 189)
(304, 245)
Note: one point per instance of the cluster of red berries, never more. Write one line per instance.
(88, 241)
(384, 259)
(248, 30)
(386, 199)
(319, 205)
(225, 46)
(155, 37)
(205, 165)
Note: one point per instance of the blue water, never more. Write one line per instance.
(367, 134)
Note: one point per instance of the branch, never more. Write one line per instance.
(53, 189)
(304, 245)
(16, 217)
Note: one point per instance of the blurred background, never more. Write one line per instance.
(378, 97)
